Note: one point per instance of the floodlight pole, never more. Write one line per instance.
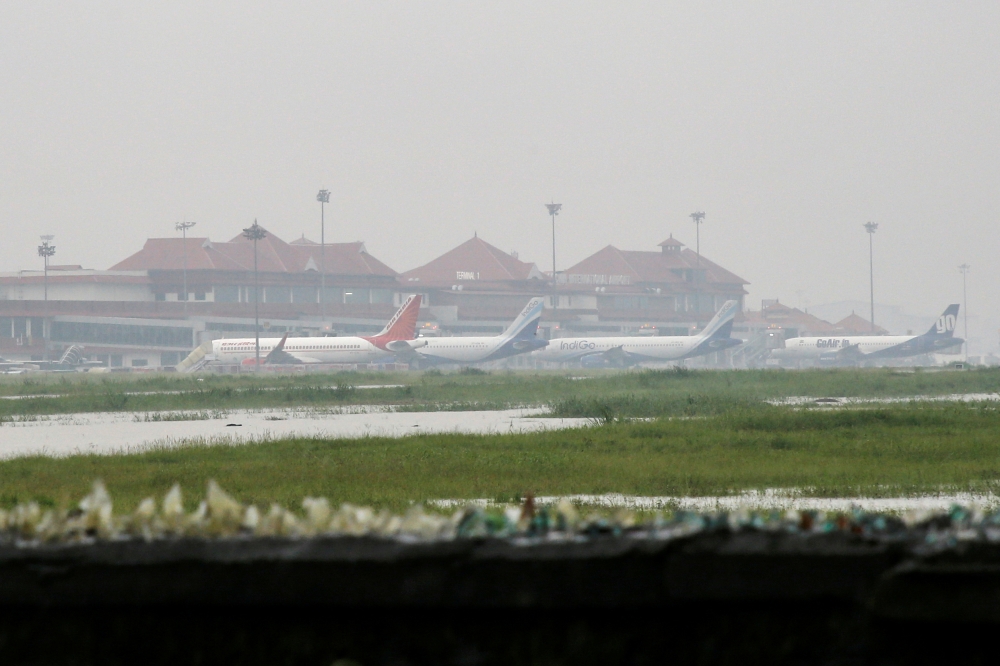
(323, 198)
(698, 217)
(964, 269)
(183, 227)
(46, 250)
(870, 227)
(255, 233)
(553, 211)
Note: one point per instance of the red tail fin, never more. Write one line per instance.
(402, 326)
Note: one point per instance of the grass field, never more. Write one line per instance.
(581, 393)
(875, 451)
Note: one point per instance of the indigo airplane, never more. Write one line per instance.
(856, 348)
(624, 351)
(519, 338)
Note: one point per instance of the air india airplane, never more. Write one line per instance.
(348, 349)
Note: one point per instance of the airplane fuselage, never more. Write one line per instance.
(305, 350)
(662, 348)
(862, 347)
(474, 349)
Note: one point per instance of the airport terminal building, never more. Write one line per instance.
(153, 307)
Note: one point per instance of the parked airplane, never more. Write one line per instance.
(856, 348)
(519, 338)
(72, 360)
(623, 351)
(360, 349)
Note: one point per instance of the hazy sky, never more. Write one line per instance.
(789, 124)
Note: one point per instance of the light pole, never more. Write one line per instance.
(46, 250)
(255, 233)
(870, 227)
(698, 217)
(183, 228)
(323, 198)
(554, 209)
(964, 270)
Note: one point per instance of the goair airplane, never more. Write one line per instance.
(856, 348)
(363, 349)
(623, 351)
(519, 338)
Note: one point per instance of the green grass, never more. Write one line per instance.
(882, 451)
(634, 393)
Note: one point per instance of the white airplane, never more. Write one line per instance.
(855, 348)
(623, 351)
(354, 349)
(519, 338)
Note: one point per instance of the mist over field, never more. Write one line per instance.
(789, 124)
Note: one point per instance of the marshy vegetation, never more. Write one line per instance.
(878, 451)
(596, 394)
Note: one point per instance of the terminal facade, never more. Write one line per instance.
(138, 312)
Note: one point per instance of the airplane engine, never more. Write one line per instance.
(405, 345)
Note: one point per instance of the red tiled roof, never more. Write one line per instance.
(273, 256)
(788, 317)
(857, 325)
(657, 267)
(474, 257)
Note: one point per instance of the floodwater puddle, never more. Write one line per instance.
(808, 401)
(775, 499)
(131, 432)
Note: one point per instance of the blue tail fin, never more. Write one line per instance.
(722, 323)
(526, 323)
(944, 327)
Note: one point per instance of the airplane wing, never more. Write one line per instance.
(849, 354)
(616, 357)
(405, 349)
(278, 355)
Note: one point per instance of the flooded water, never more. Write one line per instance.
(135, 432)
(768, 500)
(804, 400)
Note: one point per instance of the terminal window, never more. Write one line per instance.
(304, 294)
(227, 293)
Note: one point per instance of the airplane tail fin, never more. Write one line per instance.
(944, 327)
(526, 323)
(721, 325)
(403, 325)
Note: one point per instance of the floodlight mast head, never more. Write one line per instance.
(184, 226)
(323, 196)
(698, 217)
(553, 208)
(255, 232)
(870, 227)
